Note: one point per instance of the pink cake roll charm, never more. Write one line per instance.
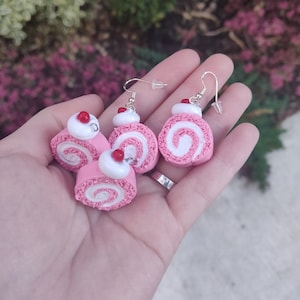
(137, 141)
(106, 184)
(186, 139)
(80, 143)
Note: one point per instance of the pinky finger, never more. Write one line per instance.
(189, 198)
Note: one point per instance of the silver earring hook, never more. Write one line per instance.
(154, 84)
(217, 104)
(196, 99)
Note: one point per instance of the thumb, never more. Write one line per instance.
(33, 138)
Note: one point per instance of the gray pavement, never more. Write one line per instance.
(246, 246)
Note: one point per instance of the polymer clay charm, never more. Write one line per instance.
(108, 183)
(186, 139)
(137, 141)
(80, 143)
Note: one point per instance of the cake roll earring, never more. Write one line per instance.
(108, 183)
(80, 143)
(186, 139)
(137, 141)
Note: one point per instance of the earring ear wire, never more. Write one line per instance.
(197, 98)
(154, 84)
(217, 104)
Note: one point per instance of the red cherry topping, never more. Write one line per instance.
(185, 101)
(121, 109)
(83, 117)
(118, 155)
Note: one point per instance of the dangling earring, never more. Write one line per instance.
(186, 139)
(80, 143)
(108, 183)
(137, 141)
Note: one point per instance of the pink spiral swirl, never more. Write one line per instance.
(139, 144)
(186, 140)
(73, 154)
(96, 190)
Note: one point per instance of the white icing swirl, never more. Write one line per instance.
(111, 168)
(185, 142)
(83, 131)
(126, 117)
(188, 108)
(107, 194)
(70, 152)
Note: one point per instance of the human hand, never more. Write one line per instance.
(55, 248)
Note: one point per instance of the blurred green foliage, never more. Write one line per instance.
(263, 112)
(15, 14)
(142, 14)
(145, 59)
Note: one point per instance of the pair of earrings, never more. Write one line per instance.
(106, 168)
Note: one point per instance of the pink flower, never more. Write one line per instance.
(246, 54)
(13, 97)
(90, 48)
(290, 14)
(276, 81)
(263, 60)
(274, 27)
(2, 92)
(296, 40)
(283, 5)
(248, 67)
(61, 50)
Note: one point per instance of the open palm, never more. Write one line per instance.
(53, 247)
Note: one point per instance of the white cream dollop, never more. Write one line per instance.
(188, 108)
(127, 117)
(111, 168)
(83, 131)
